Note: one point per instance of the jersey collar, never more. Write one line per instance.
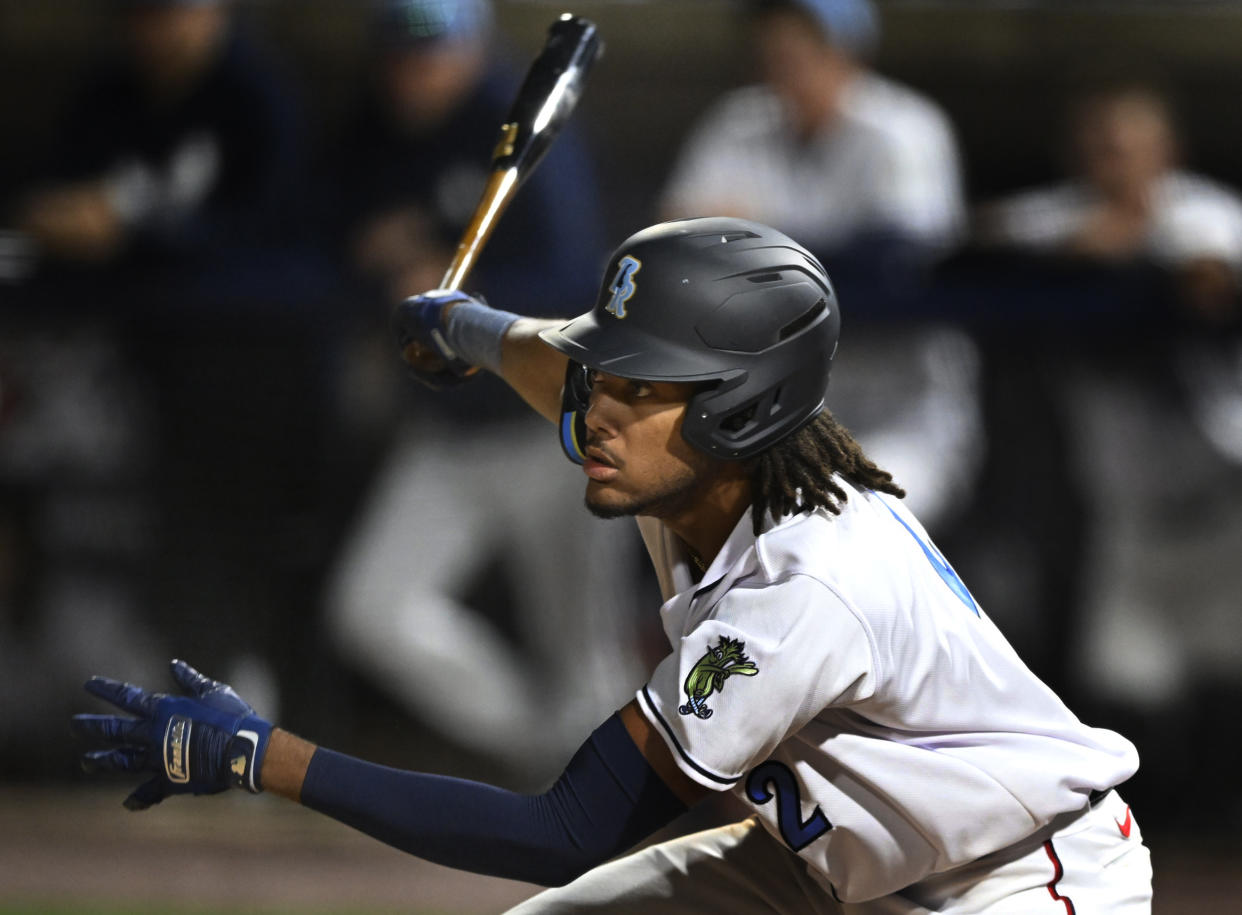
(737, 547)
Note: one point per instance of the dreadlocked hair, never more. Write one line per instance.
(796, 474)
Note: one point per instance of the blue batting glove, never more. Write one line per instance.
(202, 743)
(418, 324)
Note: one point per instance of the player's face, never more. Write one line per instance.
(637, 462)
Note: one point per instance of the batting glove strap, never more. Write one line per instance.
(245, 754)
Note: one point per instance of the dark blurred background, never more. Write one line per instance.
(192, 446)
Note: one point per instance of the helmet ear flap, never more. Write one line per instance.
(575, 399)
(730, 427)
(737, 432)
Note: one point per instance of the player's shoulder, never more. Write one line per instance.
(823, 545)
(1196, 217)
(892, 108)
(1193, 189)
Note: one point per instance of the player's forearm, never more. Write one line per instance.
(532, 368)
(606, 800)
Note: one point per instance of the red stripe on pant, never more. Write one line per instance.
(1056, 878)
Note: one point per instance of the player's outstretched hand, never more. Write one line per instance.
(201, 743)
(419, 326)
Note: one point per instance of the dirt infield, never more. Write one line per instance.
(79, 851)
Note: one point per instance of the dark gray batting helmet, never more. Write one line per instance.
(733, 304)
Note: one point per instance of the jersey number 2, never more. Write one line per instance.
(797, 832)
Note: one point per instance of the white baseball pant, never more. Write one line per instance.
(1093, 861)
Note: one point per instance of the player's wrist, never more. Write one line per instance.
(285, 763)
(476, 331)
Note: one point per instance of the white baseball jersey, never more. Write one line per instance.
(838, 677)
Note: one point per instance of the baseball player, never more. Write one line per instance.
(826, 664)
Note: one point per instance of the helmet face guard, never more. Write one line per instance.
(731, 304)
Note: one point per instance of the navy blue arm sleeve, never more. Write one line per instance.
(607, 799)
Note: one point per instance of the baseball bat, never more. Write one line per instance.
(543, 104)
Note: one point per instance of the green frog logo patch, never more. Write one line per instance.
(710, 672)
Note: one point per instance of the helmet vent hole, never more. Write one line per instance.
(736, 236)
(804, 320)
(764, 278)
(739, 420)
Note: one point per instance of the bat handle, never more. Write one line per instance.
(496, 196)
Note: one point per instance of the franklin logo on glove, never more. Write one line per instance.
(176, 740)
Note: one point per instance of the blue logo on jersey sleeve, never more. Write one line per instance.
(940, 564)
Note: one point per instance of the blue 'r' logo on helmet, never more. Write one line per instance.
(622, 286)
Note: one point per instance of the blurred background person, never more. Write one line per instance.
(416, 154)
(450, 594)
(1130, 199)
(831, 150)
(1151, 397)
(866, 173)
(178, 157)
(151, 450)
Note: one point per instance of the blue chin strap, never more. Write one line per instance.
(575, 398)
